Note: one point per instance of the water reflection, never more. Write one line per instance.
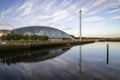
(82, 62)
(92, 58)
(31, 56)
(107, 54)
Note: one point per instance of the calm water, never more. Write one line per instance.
(95, 61)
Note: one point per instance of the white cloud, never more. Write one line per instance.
(36, 12)
(99, 6)
(46, 6)
(49, 4)
(3, 14)
(94, 18)
(99, 2)
(27, 8)
(115, 17)
(27, 4)
(60, 15)
(5, 25)
(113, 11)
(61, 22)
(63, 4)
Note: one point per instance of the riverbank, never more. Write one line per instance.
(41, 45)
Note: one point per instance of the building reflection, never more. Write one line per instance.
(31, 56)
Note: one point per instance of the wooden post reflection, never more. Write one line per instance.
(107, 60)
(80, 64)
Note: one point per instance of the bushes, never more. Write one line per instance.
(13, 36)
(65, 39)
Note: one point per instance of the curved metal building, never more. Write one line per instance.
(42, 30)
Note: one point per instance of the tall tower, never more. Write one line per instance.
(80, 25)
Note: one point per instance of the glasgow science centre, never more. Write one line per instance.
(39, 30)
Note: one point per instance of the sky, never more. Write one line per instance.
(100, 18)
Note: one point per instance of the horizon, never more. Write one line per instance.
(99, 18)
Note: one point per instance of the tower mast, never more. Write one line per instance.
(80, 25)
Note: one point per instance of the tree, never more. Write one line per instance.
(13, 36)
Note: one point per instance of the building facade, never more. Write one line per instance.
(42, 30)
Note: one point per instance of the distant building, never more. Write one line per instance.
(42, 30)
(4, 32)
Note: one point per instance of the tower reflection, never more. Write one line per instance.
(80, 63)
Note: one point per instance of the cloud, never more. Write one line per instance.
(50, 4)
(5, 21)
(113, 11)
(5, 25)
(100, 6)
(60, 15)
(56, 18)
(115, 17)
(32, 12)
(98, 2)
(94, 18)
(4, 13)
(58, 12)
(65, 4)
(27, 7)
(61, 23)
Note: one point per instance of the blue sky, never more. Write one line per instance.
(100, 18)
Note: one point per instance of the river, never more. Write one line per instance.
(94, 61)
